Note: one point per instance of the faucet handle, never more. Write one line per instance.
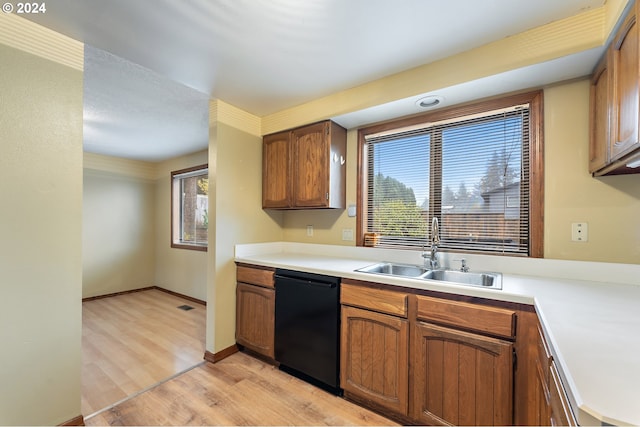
(463, 264)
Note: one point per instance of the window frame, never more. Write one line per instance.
(175, 209)
(536, 158)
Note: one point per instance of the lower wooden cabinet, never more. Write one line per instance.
(540, 393)
(550, 397)
(460, 378)
(561, 414)
(409, 355)
(425, 359)
(374, 358)
(255, 318)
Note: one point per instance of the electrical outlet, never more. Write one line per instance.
(579, 232)
(310, 230)
(347, 234)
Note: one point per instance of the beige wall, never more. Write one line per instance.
(236, 158)
(40, 248)
(179, 270)
(118, 232)
(610, 205)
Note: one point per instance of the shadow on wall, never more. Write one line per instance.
(628, 184)
(322, 219)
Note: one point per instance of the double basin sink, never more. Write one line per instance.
(480, 279)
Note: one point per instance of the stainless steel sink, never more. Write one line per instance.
(470, 278)
(394, 269)
(485, 280)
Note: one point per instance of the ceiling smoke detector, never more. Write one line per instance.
(429, 101)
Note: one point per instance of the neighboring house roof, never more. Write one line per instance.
(500, 189)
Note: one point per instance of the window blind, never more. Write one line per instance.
(472, 173)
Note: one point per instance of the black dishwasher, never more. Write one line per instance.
(307, 330)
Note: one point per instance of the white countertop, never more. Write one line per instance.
(592, 327)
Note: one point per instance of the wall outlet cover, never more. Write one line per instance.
(579, 232)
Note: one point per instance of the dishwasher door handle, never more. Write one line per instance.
(308, 282)
(321, 284)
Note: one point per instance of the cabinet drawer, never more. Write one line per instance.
(255, 276)
(490, 320)
(380, 300)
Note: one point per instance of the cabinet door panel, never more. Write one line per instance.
(311, 166)
(255, 318)
(276, 191)
(374, 358)
(626, 89)
(600, 106)
(460, 378)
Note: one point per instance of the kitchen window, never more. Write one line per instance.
(477, 168)
(190, 208)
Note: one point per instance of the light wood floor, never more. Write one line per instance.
(239, 390)
(133, 341)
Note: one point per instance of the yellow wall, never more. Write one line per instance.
(179, 270)
(235, 198)
(610, 205)
(118, 232)
(41, 229)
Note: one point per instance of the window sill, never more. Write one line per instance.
(189, 247)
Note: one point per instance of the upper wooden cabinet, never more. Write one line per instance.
(304, 168)
(625, 84)
(615, 104)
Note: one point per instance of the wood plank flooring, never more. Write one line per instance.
(239, 390)
(131, 342)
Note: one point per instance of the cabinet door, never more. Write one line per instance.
(276, 159)
(541, 402)
(255, 318)
(561, 414)
(460, 378)
(625, 84)
(311, 166)
(374, 358)
(599, 123)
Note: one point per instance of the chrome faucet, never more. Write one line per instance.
(435, 241)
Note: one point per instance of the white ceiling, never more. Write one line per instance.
(267, 55)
